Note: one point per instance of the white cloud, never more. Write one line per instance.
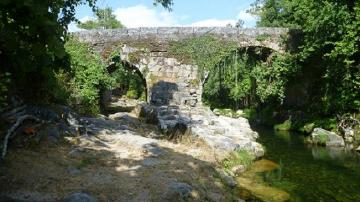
(249, 20)
(142, 16)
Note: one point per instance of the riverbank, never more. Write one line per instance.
(122, 157)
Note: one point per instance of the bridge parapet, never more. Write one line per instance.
(244, 36)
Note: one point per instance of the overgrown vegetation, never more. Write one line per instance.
(236, 78)
(81, 85)
(329, 56)
(267, 85)
(105, 19)
(32, 39)
(204, 51)
(239, 157)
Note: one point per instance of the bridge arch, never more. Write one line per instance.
(116, 63)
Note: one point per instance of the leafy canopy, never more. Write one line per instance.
(105, 19)
(330, 48)
(32, 38)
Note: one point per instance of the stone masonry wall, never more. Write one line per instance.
(170, 82)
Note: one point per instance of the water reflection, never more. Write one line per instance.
(310, 173)
(327, 153)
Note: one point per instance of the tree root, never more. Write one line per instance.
(9, 134)
(13, 112)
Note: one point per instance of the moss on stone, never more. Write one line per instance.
(308, 128)
(194, 82)
(286, 126)
(320, 139)
(135, 57)
(263, 37)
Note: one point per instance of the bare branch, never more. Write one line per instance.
(9, 135)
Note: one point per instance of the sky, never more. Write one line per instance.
(196, 13)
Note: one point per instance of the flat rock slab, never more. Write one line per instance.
(223, 134)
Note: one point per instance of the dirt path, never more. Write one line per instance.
(120, 161)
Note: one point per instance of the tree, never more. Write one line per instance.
(105, 19)
(32, 38)
(330, 48)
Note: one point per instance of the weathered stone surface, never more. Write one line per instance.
(227, 179)
(79, 197)
(73, 170)
(146, 49)
(176, 191)
(327, 138)
(238, 169)
(223, 134)
(248, 35)
(147, 112)
(51, 132)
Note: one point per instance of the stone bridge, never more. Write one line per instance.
(169, 81)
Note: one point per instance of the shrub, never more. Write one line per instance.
(84, 80)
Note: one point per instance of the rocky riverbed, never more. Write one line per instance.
(163, 153)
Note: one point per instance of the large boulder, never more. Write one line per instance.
(177, 191)
(323, 137)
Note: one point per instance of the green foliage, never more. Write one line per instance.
(32, 38)
(131, 82)
(262, 37)
(244, 79)
(239, 157)
(105, 19)
(308, 128)
(286, 126)
(132, 94)
(205, 51)
(330, 46)
(86, 76)
(320, 139)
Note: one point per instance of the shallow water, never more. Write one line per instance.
(310, 173)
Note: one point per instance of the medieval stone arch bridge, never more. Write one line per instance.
(169, 81)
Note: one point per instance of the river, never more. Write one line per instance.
(309, 173)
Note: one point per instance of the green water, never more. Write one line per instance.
(310, 173)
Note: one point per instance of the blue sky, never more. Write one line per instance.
(142, 13)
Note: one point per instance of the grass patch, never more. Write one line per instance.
(263, 37)
(86, 162)
(239, 157)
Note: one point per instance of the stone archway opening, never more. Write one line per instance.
(129, 87)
